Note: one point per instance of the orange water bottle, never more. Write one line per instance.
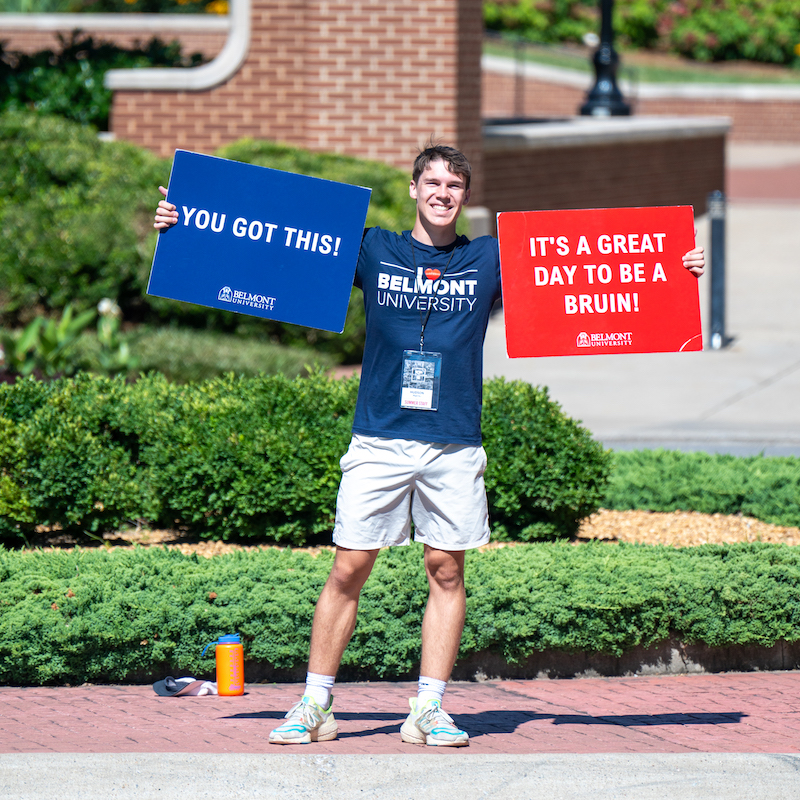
(230, 665)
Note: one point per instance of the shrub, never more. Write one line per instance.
(545, 472)
(75, 214)
(706, 30)
(733, 29)
(139, 614)
(69, 81)
(254, 457)
(44, 346)
(184, 355)
(665, 480)
(558, 21)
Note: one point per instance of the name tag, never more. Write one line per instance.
(421, 379)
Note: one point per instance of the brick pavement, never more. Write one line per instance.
(766, 183)
(732, 712)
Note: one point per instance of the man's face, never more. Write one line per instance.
(440, 195)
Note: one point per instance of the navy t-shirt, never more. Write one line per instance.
(397, 294)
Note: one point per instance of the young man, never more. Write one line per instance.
(416, 452)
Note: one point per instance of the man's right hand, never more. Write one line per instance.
(166, 213)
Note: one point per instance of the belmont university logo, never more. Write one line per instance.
(427, 288)
(617, 339)
(247, 299)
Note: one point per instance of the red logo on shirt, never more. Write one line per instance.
(432, 274)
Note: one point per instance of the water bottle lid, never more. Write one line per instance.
(231, 638)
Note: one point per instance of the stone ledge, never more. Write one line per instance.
(211, 23)
(583, 131)
(194, 79)
(671, 657)
(668, 658)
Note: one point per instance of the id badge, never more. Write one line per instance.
(422, 375)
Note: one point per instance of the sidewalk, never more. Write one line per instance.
(631, 736)
(742, 399)
(733, 712)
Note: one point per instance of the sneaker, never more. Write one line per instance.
(306, 722)
(431, 725)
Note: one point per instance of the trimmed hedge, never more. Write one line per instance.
(767, 488)
(255, 457)
(121, 615)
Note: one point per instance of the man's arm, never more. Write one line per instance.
(166, 213)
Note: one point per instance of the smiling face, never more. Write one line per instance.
(440, 196)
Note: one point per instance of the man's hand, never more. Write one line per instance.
(166, 213)
(695, 261)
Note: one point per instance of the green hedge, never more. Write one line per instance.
(705, 30)
(138, 614)
(76, 216)
(255, 457)
(665, 480)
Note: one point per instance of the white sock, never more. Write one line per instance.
(430, 689)
(319, 688)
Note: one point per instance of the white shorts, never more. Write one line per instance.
(388, 482)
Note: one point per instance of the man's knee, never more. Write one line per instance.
(445, 569)
(350, 570)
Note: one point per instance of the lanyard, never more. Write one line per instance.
(424, 322)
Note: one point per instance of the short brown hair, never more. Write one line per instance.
(455, 160)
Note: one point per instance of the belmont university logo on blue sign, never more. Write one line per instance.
(260, 241)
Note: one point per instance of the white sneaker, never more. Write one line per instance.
(306, 722)
(431, 725)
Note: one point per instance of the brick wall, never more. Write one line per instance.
(680, 171)
(753, 121)
(361, 77)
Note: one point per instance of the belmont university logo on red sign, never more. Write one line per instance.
(403, 288)
(590, 281)
(604, 339)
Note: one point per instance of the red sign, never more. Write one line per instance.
(592, 281)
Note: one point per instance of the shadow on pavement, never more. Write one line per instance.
(489, 722)
(509, 721)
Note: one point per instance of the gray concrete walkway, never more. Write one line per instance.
(612, 776)
(743, 399)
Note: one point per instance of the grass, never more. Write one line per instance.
(644, 67)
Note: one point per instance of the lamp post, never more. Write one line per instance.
(605, 99)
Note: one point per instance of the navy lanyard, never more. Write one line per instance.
(424, 322)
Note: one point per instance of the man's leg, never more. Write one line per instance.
(442, 626)
(335, 615)
(443, 622)
(334, 622)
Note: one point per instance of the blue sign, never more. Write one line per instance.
(260, 241)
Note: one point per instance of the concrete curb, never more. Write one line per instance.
(175, 776)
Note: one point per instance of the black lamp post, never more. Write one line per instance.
(605, 99)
